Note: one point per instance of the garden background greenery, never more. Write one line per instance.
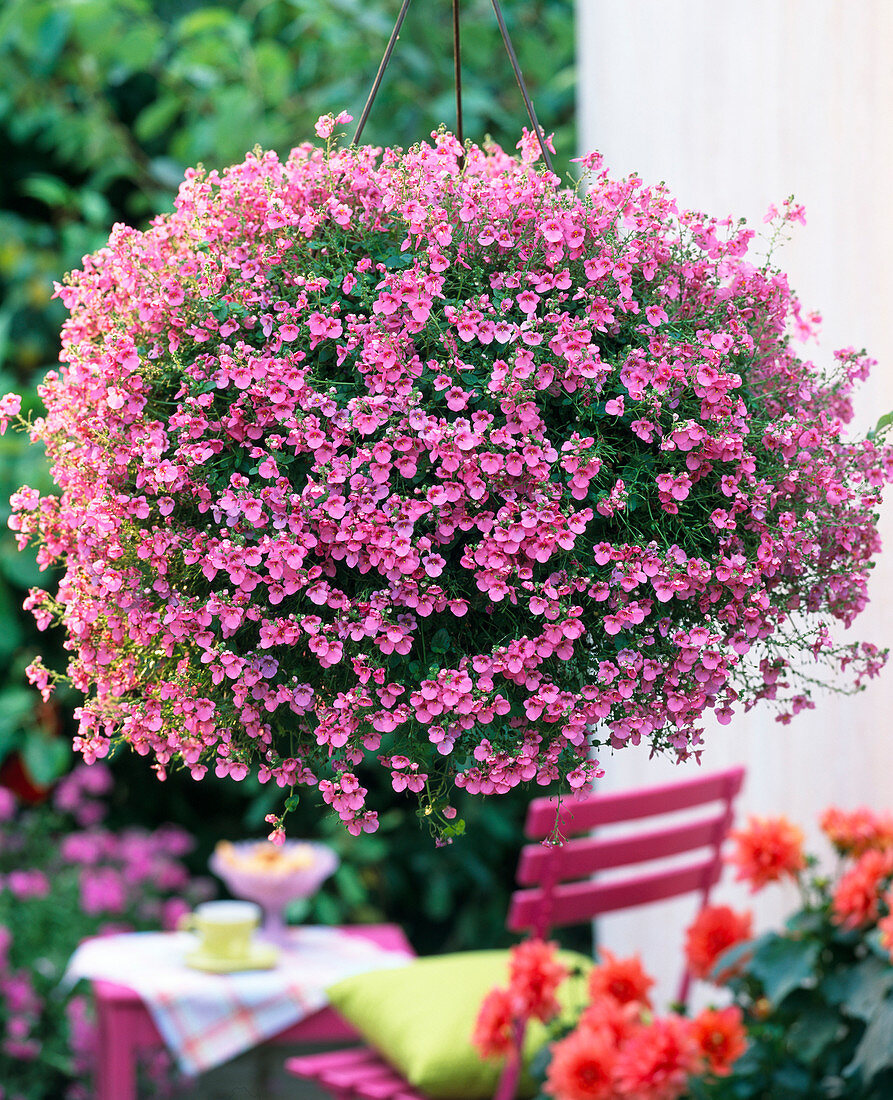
(103, 104)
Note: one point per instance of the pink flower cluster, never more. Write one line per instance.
(64, 877)
(367, 455)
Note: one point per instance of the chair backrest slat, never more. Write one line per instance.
(555, 897)
(586, 855)
(577, 902)
(581, 816)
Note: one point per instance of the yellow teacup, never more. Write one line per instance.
(225, 928)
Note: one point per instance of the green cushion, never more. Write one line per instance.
(420, 1017)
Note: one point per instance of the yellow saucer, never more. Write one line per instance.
(262, 956)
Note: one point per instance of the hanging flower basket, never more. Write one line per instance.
(376, 455)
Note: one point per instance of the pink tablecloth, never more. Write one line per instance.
(206, 1019)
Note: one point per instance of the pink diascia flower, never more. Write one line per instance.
(367, 454)
(325, 124)
(10, 406)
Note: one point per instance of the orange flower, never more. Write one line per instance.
(494, 1029)
(858, 831)
(582, 1067)
(617, 1020)
(656, 1062)
(715, 929)
(534, 977)
(767, 850)
(855, 900)
(623, 979)
(721, 1038)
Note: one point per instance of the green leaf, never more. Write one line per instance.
(166, 171)
(51, 40)
(16, 708)
(806, 920)
(875, 1052)
(440, 643)
(9, 741)
(328, 910)
(11, 636)
(816, 1026)
(206, 21)
(884, 422)
(46, 758)
(19, 569)
(792, 1080)
(860, 989)
(349, 885)
(155, 119)
(273, 62)
(783, 965)
(47, 189)
(732, 958)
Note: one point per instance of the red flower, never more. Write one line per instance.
(656, 1062)
(582, 1067)
(858, 831)
(494, 1029)
(721, 1038)
(767, 850)
(623, 979)
(855, 900)
(715, 929)
(534, 977)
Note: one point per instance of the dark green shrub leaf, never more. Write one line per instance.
(51, 38)
(875, 1052)
(783, 965)
(155, 119)
(46, 758)
(859, 989)
(815, 1027)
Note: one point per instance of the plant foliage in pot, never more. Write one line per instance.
(417, 458)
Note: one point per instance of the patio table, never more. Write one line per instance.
(235, 1012)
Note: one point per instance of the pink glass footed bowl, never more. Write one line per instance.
(273, 876)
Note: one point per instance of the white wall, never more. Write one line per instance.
(736, 104)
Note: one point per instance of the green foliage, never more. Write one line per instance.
(818, 1002)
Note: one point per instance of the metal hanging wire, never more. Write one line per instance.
(373, 91)
(457, 64)
(513, 58)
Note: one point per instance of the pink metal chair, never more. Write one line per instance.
(558, 890)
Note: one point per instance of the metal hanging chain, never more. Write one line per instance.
(516, 68)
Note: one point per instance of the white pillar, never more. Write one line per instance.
(736, 104)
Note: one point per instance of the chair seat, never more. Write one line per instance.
(355, 1074)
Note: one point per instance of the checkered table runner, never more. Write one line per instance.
(206, 1019)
